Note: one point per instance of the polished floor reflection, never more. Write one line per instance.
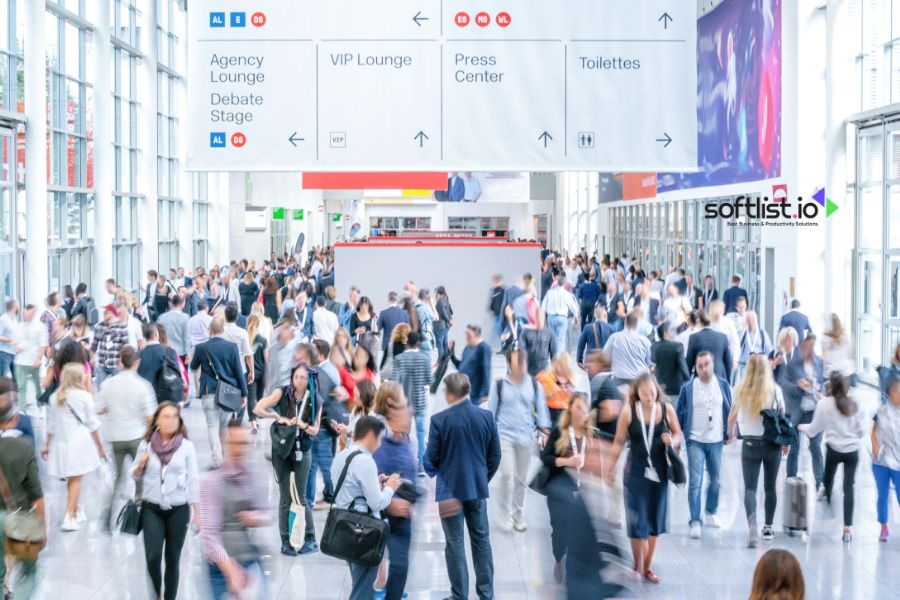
(92, 564)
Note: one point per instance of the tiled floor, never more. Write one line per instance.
(96, 565)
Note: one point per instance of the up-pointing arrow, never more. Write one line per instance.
(545, 137)
(421, 136)
(666, 18)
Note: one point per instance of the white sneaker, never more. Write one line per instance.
(696, 531)
(820, 493)
(519, 525)
(70, 525)
(80, 517)
(712, 521)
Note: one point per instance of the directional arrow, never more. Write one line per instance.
(419, 18)
(665, 139)
(666, 18)
(421, 136)
(546, 137)
(294, 139)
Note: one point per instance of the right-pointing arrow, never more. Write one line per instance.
(666, 18)
(665, 138)
(545, 137)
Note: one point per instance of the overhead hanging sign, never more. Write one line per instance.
(533, 85)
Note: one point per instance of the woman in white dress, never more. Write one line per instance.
(73, 447)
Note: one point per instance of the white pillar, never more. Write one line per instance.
(147, 138)
(36, 268)
(104, 159)
(185, 181)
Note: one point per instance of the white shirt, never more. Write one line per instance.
(674, 309)
(572, 276)
(707, 403)
(176, 484)
(325, 324)
(727, 327)
(198, 329)
(838, 356)
(751, 425)
(236, 335)
(559, 301)
(128, 401)
(30, 337)
(135, 335)
(842, 433)
(682, 338)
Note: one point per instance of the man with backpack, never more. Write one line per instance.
(84, 305)
(159, 366)
(175, 320)
(520, 412)
(539, 344)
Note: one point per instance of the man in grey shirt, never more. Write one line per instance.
(629, 351)
(359, 483)
(176, 323)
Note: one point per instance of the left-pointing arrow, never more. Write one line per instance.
(294, 139)
(419, 18)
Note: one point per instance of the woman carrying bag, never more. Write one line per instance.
(297, 411)
(167, 469)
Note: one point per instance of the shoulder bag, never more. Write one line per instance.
(675, 470)
(351, 535)
(227, 396)
(25, 532)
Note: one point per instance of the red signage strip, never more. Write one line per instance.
(375, 181)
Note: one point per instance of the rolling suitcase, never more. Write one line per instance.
(795, 505)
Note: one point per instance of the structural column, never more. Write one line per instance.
(147, 138)
(104, 160)
(36, 269)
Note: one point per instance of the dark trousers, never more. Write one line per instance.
(322, 454)
(756, 455)
(560, 492)
(362, 581)
(474, 517)
(587, 313)
(255, 391)
(164, 533)
(440, 340)
(283, 469)
(850, 460)
(398, 553)
(815, 451)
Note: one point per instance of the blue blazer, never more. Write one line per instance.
(588, 341)
(476, 365)
(793, 395)
(685, 407)
(456, 190)
(225, 357)
(463, 452)
(797, 320)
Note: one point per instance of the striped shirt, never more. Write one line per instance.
(412, 370)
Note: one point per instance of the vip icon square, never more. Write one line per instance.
(585, 139)
(217, 19)
(338, 139)
(238, 19)
(217, 139)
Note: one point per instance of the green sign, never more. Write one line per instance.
(298, 214)
(278, 213)
(336, 217)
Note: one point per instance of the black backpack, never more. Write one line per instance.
(169, 385)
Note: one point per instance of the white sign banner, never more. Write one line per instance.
(533, 85)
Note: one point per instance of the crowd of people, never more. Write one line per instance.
(272, 357)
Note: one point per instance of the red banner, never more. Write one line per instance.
(374, 181)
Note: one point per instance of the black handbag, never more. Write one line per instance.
(351, 535)
(777, 428)
(129, 520)
(676, 472)
(44, 398)
(541, 479)
(227, 396)
(283, 439)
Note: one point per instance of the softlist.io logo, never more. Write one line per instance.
(776, 211)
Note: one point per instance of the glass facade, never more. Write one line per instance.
(664, 235)
(169, 90)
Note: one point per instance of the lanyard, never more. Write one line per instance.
(645, 433)
(707, 399)
(574, 446)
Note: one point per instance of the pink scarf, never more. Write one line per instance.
(165, 451)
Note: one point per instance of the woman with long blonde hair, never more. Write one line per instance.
(265, 323)
(73, 447)
(755, 393)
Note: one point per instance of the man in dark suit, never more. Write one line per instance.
(475, 363)
(153, 355)
(668, 356)
(304, 313)
(218, 360)
(681, 283)
(796, 319)
(693, 293)
(456, 188)
(463, 452)
(593, 335)
(611, 300)
(803, 388)
(709, 292)
(709, 340)
(731, 295)
(389, 318)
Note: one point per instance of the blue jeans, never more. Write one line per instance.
(220, 586)
(420, 438)
(475, 517)
(708, 457)
(398, 552)
(28, 580)
(883, 478)
(363, 580)
(322, 455)
(6, 363)
(559, 326)
(815, 449)
(440, 337)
